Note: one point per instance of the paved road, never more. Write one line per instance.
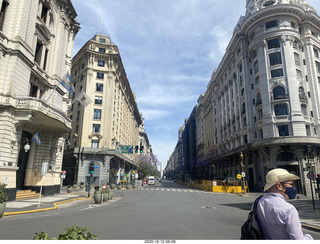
(165, 211)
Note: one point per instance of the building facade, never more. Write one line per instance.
(263, 99)
(36, 41)
(101, 128)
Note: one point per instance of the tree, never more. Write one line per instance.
(147, 165)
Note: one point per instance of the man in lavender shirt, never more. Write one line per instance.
(279, 219)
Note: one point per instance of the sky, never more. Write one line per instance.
(169, 49)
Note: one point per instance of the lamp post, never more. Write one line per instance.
(242, 173)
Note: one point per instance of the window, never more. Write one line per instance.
(44, 14)
(38, 53)
(276, 73)
(297, 59)
(102, 40)
(318, 66)
(3, 11)
(256, 67)
(283, 130)
(281, 109)
(97, 114)
(274, 43)
(78, 115)
(101, 63)
(302, 94)
(304, 109)
(257, 79)
(299, 73)
(260, 114)
(269, 3)
(259, 99)
(95, 144)
(279, 93)
(99, 87)
(102, 50)
(316, 53)
(96, 128)
(308, 132)
(98, 100)
(271, 24)
(33, 90)
(275, 58)
(100, 75)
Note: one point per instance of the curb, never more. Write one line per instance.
(46, 209)
(310, 227)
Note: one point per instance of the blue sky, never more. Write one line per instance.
(169, 49)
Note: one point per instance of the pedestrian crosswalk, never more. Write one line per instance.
(173, 190)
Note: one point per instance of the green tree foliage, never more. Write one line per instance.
(147, 165)
(3, 195)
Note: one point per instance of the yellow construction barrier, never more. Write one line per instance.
(217, 186)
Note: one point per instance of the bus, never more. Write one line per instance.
(151, 180)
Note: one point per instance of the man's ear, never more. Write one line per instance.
(279, 186)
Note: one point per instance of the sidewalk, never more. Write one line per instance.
(46, 202)
(309, 217)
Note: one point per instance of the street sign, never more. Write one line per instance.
(238, 176)
(310, 176)
(128, 149)
(44, 168)
(243, 174)
(64, 172)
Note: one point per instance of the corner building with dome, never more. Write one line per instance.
(264, 98)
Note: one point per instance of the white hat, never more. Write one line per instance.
(278, 175)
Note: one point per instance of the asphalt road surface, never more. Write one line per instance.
(164, 211)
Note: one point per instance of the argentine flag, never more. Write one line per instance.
(67, 83)
(36, 139)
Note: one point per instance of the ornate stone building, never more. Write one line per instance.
(263, 99)
(264, 96)
(110, 121)
(36, 41)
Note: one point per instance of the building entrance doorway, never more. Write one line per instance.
(22, 161)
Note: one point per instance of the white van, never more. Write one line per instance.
(151, 180)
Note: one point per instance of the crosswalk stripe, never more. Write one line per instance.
(175, 190)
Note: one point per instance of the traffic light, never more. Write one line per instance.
(141, 149)
(136, 149)
(91, 167)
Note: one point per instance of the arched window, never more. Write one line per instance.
(279, 93)
(302, 94)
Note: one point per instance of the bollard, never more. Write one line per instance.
(104, 187)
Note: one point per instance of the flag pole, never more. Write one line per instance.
(52, 93)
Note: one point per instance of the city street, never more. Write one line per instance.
(164, 211)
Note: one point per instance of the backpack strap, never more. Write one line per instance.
(256, 204)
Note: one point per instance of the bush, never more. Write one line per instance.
(3, 195)
(73, 233)
(104, 191)
(96, 188)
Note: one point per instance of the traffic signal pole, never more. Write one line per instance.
(90, 179)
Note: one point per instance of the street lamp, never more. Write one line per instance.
(242, 173)
(26, 147)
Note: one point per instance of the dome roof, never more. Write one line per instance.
(255, 5)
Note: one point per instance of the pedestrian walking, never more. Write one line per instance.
(278, 219)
